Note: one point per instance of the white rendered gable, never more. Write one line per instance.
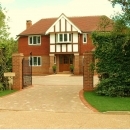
(62, 24)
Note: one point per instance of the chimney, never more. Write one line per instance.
(28, 24)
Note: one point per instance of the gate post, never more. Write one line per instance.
(51, 63)
(87, 72)
(76, 64)
(17, 69)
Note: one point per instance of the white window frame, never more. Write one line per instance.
(35, 64)
(54, 59)
(69, 38)
(84, 37)
(37, 42)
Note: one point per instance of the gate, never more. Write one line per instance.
(26, 72)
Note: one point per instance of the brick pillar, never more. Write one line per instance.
(87, 72)
(17, 69)
(51, 63)
(76, 64)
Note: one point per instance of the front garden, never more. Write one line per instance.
(6, 92)
(106, 103)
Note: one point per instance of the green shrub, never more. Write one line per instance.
(72, 68)
(113, 63)
(54, 68)
(1, 87)
(108, 87)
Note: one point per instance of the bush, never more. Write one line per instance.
(54, 68)
(1, 87)
(113, 63)
(72, 68)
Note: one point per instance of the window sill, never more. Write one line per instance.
(34, 44)
(36, 65)
(63, 42)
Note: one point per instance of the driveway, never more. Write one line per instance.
(53, 102)
(56, 93)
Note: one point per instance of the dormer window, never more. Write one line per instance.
(84, 38)
(34, 40)
(64, 38)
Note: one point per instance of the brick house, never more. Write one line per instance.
(61, 41)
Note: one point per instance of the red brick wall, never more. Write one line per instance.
(85, 47)
(17, 69)
(37, 50)
(44, 68)
(44, 48)
(88, 73)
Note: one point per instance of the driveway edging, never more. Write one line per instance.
(85, 102)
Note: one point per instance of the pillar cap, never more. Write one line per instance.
(51, 54)
(76, 54)
(18, 54)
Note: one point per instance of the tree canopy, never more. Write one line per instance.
(125, 4)
(7, 46)
(112, 53)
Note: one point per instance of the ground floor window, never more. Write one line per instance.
(35, 60)
(54, 59)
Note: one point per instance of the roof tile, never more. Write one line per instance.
(84, 23)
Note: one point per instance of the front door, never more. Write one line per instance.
(65, 61)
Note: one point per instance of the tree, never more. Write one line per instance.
(7, 47)
(125, 4)
(113, 63)
(113, 54)
(3, 26)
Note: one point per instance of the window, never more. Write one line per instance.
(35, 61)
(54, 59)
(70, 35)
(60, 37)
(34, 40)
(64, 37)
(84, 38)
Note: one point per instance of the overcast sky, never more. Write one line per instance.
(21, 10)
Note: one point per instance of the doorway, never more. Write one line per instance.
(64, 62)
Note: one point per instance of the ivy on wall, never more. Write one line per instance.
(113, 63)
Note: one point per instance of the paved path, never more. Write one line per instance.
(56, 93)
(53, 102)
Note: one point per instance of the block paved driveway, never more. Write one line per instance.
(53, 102)
(57, 93)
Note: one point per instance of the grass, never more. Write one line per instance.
(6, 92)
(104, 103)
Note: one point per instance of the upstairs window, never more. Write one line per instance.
(60, 37)
(84, 38)
(35, 61)
(34, 40)
(64, 38)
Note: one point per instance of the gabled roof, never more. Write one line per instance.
(84, 23)
(63, 16)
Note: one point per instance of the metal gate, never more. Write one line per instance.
(26, 72)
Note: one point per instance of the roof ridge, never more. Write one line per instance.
(84, 23)
(50, 18)
(85, 16)
(75, 16)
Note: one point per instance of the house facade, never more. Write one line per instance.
(60, 41)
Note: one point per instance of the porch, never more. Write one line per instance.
(63, 63)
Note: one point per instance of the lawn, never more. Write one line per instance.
(6, 92)
(104, 103)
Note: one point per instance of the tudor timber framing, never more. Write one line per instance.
(72, 47)
(63, 26)
(58, 27)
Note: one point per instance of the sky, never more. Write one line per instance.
(21, 10)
